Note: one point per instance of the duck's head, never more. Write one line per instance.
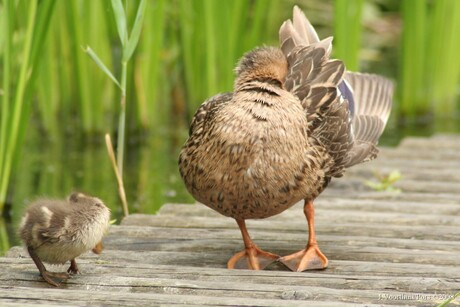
(265, 64)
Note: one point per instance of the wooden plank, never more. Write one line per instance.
(385, 249)
(323, 226)
(328, 215)
(92, 296)
(203, 282)
(324, 203)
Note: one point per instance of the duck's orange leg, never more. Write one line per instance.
(252, 258)
(309, 258)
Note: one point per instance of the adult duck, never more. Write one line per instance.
(295, 119)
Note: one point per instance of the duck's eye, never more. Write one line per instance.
(98, 205)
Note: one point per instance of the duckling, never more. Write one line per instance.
(295, 120)
(57, 231)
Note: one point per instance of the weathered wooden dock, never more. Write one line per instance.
(384, 248)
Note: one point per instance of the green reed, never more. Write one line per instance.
(129, 43)
(430, 65)
(148, 61)
(413, 78)
(348, 32)
(18, 82)
(213, 36)
(449, 300)
(186, 53)
(442, 56)
(4, 240)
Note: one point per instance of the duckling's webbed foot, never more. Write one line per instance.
(73, 268)
(47, 276)
(252, 258)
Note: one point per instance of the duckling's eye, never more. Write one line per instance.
(98, 205)
(74, 197)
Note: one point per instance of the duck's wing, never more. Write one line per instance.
(372, 97)
(206, 111)
(314, 78)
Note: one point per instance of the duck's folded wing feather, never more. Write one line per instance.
(207, 111)
(314, 78)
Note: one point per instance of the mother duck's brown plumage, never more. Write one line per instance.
(295, 119)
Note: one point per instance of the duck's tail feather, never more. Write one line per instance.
(297, 32)
(372, 96)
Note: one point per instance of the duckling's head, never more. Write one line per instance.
(86, 200)
(264, 63)
(88, 206)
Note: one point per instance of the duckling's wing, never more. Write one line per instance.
(372, 97)
(57, 230)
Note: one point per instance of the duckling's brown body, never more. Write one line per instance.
(57, 231)
(295, 120)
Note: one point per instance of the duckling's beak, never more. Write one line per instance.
(98, 248)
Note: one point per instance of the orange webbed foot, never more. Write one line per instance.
(310, 258)
(252, 258)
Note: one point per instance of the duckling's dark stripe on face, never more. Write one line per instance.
(259, 89)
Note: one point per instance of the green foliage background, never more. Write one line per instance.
(187, 52)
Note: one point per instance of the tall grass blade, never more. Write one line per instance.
(444, 69)
(16, 119)
(189, 58)
(120, 19)
(5, 97)
(347, 31)
(211, 48)
(448, 301)
(4, 241)
(81, 70)
(412, 85)
(18, 106)
(151, 108)
(135, 33)
(101, 65)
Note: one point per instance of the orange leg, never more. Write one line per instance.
(309, 258)
(252, 257)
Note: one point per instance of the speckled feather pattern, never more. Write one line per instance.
(248, 154)
(285, 130)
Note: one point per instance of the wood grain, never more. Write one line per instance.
(385, 249)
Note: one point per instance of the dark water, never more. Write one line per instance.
(54, 167)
